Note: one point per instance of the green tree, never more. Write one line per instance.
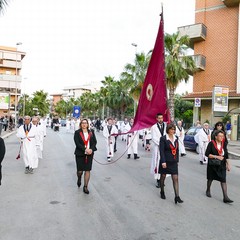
(183, 109)
(41, 102)
(177, 64)
(134, 74)
(25, 103)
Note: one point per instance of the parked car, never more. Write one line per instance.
(189, 141)
(63, 122)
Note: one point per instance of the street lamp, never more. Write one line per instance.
(134, 102)
(15, 107)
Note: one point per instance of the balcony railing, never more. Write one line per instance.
(200, 63)
(231, 3)
(10, 81)
(10, 64)
(196, 32)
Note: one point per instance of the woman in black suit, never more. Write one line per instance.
(2, 154)
(218, 164)
(169, 157)
(86, 142)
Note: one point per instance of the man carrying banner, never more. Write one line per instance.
(158, 130)
(110, 140)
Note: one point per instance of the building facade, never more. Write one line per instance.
(215, 38)
(10, 79)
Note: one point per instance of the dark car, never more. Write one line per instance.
(63, 122)
(189, 141)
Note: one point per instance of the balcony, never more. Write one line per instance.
(200, 63)
(196, 32)
(10, 81)
(231, 3)
(10, 64)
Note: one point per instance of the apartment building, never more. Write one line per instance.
(215, 38)
(10, 79)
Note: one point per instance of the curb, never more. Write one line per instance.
(8, 134)
(233, 155)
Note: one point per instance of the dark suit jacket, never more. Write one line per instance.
(80, 147)
(212, 150)
(166, 152)
(2, 149)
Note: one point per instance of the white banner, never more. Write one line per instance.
(220, 99)
(4, 100)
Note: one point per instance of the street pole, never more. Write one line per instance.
(15, 105)
(134, 102)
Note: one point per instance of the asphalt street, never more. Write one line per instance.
(123, 203)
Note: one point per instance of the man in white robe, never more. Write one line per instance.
(157, 130)
(132, 141)
(180, 133)
(124, 128)
(203, 137)
(39, 136)
(27, 133)
(110, 140)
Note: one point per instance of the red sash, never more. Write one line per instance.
(85, 142)
(220, 151)
(174, 149)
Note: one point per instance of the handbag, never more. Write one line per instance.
(214, 162)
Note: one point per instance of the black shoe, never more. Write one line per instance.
(129, 155)
(85, 190)
(183, 154)
(136, 156)
(178, 200)
(158, 184)
(162, 195)
(201, 162)
(227, 200)
(115, 150)
(208, 194)
(79, 182)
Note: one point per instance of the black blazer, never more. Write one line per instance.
(80, 147)
(212, 150)
(2, 149)
(166, 152)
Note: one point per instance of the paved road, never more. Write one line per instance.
(123, 203)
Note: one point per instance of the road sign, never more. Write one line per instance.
(197, 102)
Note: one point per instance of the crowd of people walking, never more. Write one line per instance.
(164, 141)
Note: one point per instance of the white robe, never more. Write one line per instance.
(156, 135)
(132, 141)
(29, 149)
(110, 140)
(39, 139)
(202, 139)
(68, 125)
(180, 133)
(124, 129)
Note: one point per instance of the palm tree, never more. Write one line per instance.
(41, 102)
(135, 73)
(177, 64)
(3, 5)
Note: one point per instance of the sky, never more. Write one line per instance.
(76, 42)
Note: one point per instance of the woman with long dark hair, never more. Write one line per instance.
(85, 141)
(219, 126)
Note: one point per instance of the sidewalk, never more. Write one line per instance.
(5, 134)
(234, 149)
